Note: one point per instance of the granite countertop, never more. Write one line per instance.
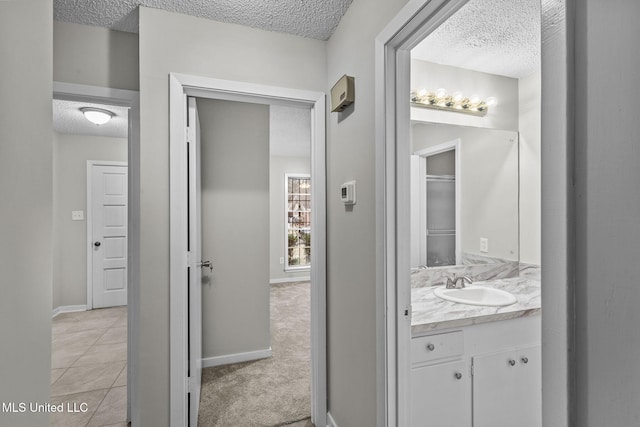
(431, 313)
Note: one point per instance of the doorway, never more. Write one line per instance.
(436, 233)
(182, 337)
(124, 106)
(394, 43)
(255, 365)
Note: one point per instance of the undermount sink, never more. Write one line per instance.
(476, 295)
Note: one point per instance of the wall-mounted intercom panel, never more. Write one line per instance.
(343, 93)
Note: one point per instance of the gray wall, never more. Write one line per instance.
(70, 155)
(235, 226)
(431, 76)
(211, 49)
(442, 163)
(529, 124)
(607, 285)
(95, 56)
(26, 207)
(278, 166)
(351, 256)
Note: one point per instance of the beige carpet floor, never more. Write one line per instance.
(268, 392)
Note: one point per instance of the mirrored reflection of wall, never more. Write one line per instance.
(489, 185)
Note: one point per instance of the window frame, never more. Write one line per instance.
(287, 176)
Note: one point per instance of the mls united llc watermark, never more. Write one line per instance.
(31, 407)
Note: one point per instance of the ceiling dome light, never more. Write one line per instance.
(96, 115)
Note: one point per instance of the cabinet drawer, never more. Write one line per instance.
(436, 347)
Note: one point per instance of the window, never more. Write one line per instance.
(298, 218)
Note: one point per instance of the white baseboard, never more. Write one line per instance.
(68, 309)
(330, 421)
(290, 280)
(208, 362)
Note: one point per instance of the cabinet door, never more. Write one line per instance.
(441, 395)
(507, 389)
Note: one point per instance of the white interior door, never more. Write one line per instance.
(195, 262)
(108, 240)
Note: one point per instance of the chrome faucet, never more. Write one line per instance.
(458, 282)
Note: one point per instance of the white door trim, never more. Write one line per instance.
(90, 165)
(393, 327)
(181, 86)
(417, 19)
(131, 99)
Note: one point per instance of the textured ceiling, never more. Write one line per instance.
(493, 36)
(67, 118)
(308, 18)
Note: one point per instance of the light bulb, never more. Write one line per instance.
(457, 96)
(96, 115)
(474, 99)
(422, 93)
(491, 101)
(440, 93)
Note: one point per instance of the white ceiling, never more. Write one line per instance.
(308, 18)
(493, 36)
(67, 118)
(289, 127)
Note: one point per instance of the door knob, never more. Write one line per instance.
(96, 244)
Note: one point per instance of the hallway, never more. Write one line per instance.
(88, 366)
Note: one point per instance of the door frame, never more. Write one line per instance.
(89, 219)
(392, 69)
(431, 151)
(131, 99)
(181, 86)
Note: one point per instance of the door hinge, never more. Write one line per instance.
(190, 260)
(471, 369)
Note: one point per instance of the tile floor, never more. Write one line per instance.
(89, 365)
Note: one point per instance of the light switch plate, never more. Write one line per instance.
(484, 244)
(77, 215)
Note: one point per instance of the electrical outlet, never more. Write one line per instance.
(77, 215)
(484, 244)
(281, 260)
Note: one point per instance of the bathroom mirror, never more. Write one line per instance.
(464, 195)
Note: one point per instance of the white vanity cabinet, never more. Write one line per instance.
(440, 384)
(507, 388)
(450, 405)
(486, 375)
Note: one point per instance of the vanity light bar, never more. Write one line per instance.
(440, 100)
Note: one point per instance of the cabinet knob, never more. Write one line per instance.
(512, 362)
(431, 347)
(458, 375)
(525, 359)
